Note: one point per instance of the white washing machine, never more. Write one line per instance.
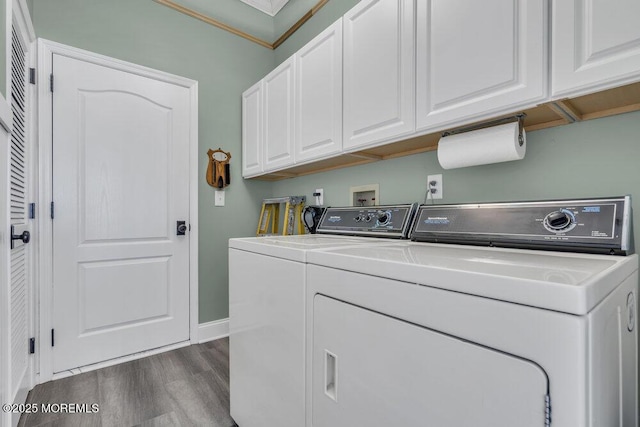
(453, 335)
(267, 288)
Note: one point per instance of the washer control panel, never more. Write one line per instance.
(595, 225)
(380, 221)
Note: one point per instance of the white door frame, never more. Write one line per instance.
(46, 49)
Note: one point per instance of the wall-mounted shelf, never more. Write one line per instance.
(610, 102)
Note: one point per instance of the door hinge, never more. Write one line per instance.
(51, 82)
(32, 345)
(53, 338)
(32, 76)
(52, 210)
(32, 211)
(547, 410)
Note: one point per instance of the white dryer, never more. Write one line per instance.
(452, 335)
(267, 288)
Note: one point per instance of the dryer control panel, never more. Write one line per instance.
(596, 225)
(379, 221)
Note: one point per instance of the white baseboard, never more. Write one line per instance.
(213, 330)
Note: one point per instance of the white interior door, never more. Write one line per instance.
(120, 184)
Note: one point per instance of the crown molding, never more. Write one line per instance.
(211, 21)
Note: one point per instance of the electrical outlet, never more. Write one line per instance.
(434, 182)
(319, 195)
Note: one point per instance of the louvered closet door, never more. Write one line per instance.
(19, 193)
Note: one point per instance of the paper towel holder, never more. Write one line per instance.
(518, 117)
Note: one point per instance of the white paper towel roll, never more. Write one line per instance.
(481, 147)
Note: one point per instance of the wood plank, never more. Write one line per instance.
(546, 125)
(364, 155)
(612, 100)
(612, 111)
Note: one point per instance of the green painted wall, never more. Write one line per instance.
(3, 48)
(149, 34)
(593, 158)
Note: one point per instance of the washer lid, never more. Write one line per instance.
(295, 247)
(567, 282)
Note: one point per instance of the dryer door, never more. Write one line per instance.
(374, 370)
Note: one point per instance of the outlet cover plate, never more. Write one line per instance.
(319, 200)
(439, 194)
(219, 199)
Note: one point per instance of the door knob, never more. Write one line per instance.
(25, 236)
(181, 228)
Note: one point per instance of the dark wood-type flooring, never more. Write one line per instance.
(184, 387)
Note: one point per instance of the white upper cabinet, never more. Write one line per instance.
(476, 59)
(252, 131)
(379, 41)
(279, 116)
(595, 45)
(319, 96)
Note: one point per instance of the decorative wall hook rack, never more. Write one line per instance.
(218, 173)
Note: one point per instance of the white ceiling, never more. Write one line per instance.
(270, 7)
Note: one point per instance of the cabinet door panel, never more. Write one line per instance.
(252, 131)
(319, 95)
(476, 59)
(372, 370)
(278, 117)
(378, 71)
(596, 45)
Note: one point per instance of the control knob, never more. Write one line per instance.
(383, 218)
(558, 220)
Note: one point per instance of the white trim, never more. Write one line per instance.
(270, 7)
(118, 360)
(45, 255)
(213, 330)
(5, 114)
(194, 230)
(46, 49)
(23, 20)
